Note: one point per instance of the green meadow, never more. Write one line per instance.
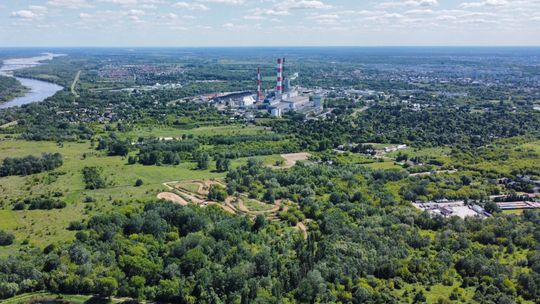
(38, 228)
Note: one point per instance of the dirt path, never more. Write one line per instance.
(195, 199)
(227, 208)
(179, 193)
(173, 198)
(229, 202)
(9, 124)
(168, 186)
(302, 227)
(358, 111)
(243, 207)
(74, 83)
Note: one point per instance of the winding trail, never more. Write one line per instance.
(173, 198)
(178, 192)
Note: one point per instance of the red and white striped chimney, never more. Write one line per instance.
(258, 84)
(279, 87)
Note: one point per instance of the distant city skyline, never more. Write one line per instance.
(171, 23)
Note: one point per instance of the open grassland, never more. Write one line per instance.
(64, 298)
(385, 165)
(41, 227)
(507, 156)
(156, 131)
(441, 154)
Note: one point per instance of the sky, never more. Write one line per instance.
(179, 23)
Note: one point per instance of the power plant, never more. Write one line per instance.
(284, 97)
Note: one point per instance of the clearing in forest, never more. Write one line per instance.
(196, 192)
(293, 158)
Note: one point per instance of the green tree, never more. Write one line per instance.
(203, 161)
(106, 287)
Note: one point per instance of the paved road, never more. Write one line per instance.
(74, 83)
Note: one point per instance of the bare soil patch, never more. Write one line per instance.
(293, 158)
(173, 198)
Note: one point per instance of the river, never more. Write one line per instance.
(39, 90)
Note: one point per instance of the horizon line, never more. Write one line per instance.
(281, 46)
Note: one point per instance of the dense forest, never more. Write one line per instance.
(438, 126)
(362, 247)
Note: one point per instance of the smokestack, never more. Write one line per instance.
(258, 84)
(283, 68)
(279, 87)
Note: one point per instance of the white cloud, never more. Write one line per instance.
(136, 12)
(191, 6)
(254, 17)
(33, 12)
(72, 4)
(304, 4)
(284, 8)
(484, 3)
(85, 16)
(38, 9)
(24, 14)
(171, 16)
(132, 2)
(415, 3)
(230, 2)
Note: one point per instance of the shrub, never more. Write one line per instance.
(92, 178)
(44, 203)
(6, 238)
(76, 226)
(19, 206)
(138, 183)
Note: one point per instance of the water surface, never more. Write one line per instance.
(39, 90)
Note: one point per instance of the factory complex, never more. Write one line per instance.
(283, 98)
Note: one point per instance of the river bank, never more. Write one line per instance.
(38, 90)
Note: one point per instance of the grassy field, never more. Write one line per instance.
(45, 296)
(508, 155)
(436, 292)
(9, 220)
(256, 206)
(202, 131)
(38, 228)
(387, 164)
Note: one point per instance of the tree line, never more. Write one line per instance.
(30, 164)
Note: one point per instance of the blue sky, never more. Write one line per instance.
(268, 22)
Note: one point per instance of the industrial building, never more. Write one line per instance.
(288, 98)
(452, 208)
(237, 99)
(518, 205)
(283, 98)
